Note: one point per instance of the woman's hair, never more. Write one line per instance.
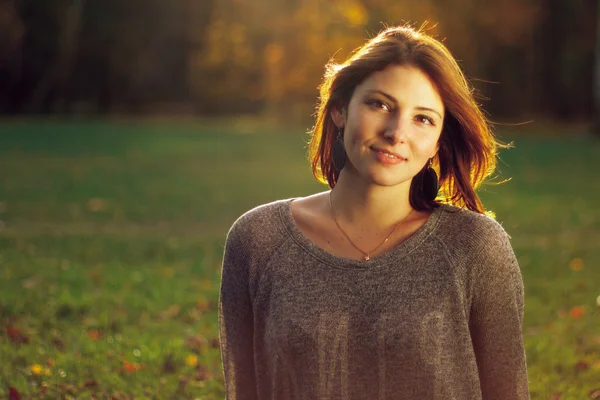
(467, 149)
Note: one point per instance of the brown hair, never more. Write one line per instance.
(467, 149)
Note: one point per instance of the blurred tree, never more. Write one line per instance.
(12, 33)
(567, 37)
(34, 49)
(131, 52)
(596, 81)
(56, 75)
(238, 56)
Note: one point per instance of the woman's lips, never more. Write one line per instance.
(387, 157)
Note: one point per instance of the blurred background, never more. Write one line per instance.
(231, 57)
(134, 133)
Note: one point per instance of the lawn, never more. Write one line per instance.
(111, 238)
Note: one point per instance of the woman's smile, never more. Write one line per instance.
(387, 157)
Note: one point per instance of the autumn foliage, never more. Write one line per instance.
(247, 57)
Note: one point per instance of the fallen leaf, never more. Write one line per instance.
(90, 384)
(191, 360)
(576, 264)
(29, 283)
(43, 388)
(131, 367)
(555, 396)
(69, 388)
(181, 385)
(202, 373)
(195, 343)
(171, 312)
(50, 362)
(96, 205)
(595, 394)
(191, 316)
(58, 343)
(576, 312)
(203, 304)
(13, 394)
(582, 366)
(215, 343)
(16, 335)
(95, 334)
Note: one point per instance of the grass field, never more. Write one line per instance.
(111, 237)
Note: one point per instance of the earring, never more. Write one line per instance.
(430, 183)
(338, 152)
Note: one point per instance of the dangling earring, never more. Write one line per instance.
(431, 184)
(338, 152)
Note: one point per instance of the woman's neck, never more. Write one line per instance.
(371, 206)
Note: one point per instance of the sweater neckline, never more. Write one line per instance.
(393, 255)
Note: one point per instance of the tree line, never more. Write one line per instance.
(206, 57)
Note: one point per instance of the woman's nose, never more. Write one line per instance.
(397, 130)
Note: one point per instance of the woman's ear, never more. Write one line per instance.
(338, 115)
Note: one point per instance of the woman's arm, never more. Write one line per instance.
(236, 321)
(496, 320)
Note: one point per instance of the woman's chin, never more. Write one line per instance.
(388, 180)
(377, 175)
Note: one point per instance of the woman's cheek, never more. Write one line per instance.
(426, 146)
(422, 149)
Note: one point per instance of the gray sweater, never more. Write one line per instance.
(437, 317)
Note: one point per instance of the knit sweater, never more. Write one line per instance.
(437, 317)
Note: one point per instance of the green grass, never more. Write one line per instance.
(111, 240)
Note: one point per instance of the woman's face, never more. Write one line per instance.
(392, 125)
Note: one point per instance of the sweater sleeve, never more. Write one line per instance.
(236, 320)
(496, 318)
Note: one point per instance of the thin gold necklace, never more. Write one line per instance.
(366, 255)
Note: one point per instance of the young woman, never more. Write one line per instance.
(383, 287)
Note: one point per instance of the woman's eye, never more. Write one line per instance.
(379, 104)
(425, 119)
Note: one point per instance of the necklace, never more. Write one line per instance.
(366, 255)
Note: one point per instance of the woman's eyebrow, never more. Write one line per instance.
(429, 109)
(393, 100)
(389, 96)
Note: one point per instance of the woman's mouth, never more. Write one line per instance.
(388, 157)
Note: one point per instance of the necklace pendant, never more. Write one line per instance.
(367, 258)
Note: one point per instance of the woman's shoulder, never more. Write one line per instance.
(469, 228)
(260, 223)
(477, 241)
